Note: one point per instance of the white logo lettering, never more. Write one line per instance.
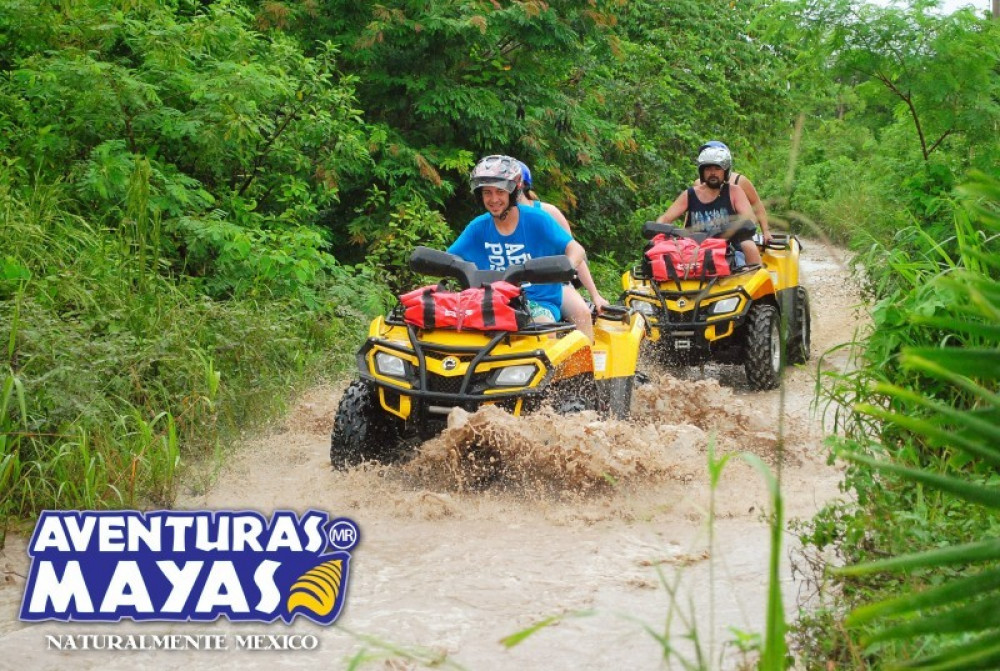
(72, 586)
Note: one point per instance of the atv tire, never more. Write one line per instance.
(801, 329)
(362, 430)
(763, 347)
(619, 399)
(575, 395)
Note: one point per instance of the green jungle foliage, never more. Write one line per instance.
(897, 105)
(201, 204)
(911, 110)
(163, 284)
(605, 100)
(919, 421)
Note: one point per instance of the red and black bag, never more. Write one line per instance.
(673, 258)
(499, 306)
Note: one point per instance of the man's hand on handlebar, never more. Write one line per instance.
(599, 303)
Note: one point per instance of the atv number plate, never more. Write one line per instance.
(682, 344)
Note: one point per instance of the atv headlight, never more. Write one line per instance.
(725, 305)
(388, 364)
(643, 308)
(515, 376)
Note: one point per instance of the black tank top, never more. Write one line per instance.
(707, 216)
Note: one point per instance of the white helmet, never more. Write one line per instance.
(496, 170)
(719, 156)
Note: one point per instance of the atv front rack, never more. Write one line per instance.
(433, 396)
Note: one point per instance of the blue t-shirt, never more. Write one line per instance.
(537, 234)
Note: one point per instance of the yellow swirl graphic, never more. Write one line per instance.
(317, 589)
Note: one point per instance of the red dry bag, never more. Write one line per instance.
(672, 258)
(495, 307)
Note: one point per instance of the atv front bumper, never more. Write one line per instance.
(422, 382)
(693, 320)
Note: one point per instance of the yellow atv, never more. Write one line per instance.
(410, 378)
(757, 316)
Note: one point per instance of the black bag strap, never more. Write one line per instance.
(664, 259)
(683, 259)
(708, 263)
(427, 299)
(489, 316)
(671, 269)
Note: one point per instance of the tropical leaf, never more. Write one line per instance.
(973, 362)
(970, 553)
(973, 617)
(974, 493)
(945, 398)
(979, 653)
(955, 590)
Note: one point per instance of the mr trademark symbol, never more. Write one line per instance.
(344, 534)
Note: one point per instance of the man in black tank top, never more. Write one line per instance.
(759, 211)
(714, 204)
(710, 216)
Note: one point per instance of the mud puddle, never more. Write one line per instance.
(583, 518)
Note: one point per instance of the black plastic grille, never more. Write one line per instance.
(675, 317)
(442, 384)
(453, 385)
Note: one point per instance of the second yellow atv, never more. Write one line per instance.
(757, 316)
(410, 378)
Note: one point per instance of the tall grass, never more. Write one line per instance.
(116, 369)
(919, 424)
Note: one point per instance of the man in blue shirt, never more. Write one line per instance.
(508, 234)
(528, 197)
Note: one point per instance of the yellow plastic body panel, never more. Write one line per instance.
(757, 284)
(783, 264)
(616, 346)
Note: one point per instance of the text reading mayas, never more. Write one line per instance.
(171, 565)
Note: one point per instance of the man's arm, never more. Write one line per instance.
(757, 205)
(678, 208)
(583, 270)
(740, 202)
(557, 214)
(578, 257)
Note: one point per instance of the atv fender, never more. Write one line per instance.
(616, 345)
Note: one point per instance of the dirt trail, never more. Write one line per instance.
(590, 517)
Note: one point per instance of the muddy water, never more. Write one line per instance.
(587, 519)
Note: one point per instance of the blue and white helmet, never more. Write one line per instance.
(525, 175)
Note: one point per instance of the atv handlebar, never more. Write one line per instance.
(544, 270)
(783, 241)
(435, 262)
(651, 228)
